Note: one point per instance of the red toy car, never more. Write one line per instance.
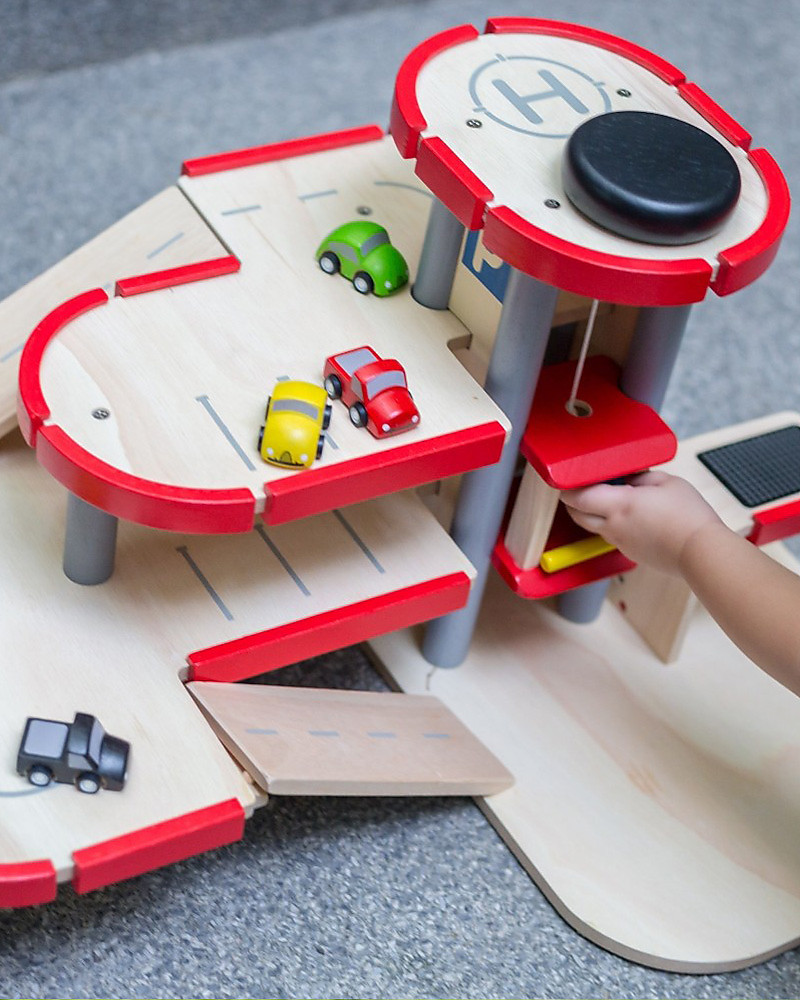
(374, 389)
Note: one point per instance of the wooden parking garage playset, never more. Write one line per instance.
(562, 197)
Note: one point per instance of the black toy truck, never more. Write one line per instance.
(79, 753)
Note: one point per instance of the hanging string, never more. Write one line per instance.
(587, 336)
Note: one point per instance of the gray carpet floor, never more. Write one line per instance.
(347, 897)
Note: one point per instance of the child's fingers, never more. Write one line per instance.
(591, 522)
(601, 500)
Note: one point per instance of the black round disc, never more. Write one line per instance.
(650, 177)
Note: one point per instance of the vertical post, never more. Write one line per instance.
(439, 258)
(90, 542)
(651, 358)
(514, 368)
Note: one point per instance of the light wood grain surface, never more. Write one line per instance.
(165, 232)
(520, 162)
(310, 741)
(657, 807)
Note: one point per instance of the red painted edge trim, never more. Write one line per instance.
(462, 191)
(540, 26)
(280, 150)
(156, 280)
(406, 121)
(743, 263)
(715, 115)
(27, 883)
(345, 483)
(626, 280)
(158, 845)
(535, 584)
(335, 629)
(32, 408)
(775, 524)
(171, 508)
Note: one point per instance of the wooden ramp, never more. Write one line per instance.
(308, 741)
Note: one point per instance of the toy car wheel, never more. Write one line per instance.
(363, 283)
(320, 446)
(40, 775)
(333, 386)
(330, 263)
(358, 415)
(88, 783)
(326, 418)
(260, 437)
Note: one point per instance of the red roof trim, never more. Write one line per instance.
(775, 524)
(32, 408)
(715, 115)
(156, 280)
(171, 508)
(158, 845)
(562, 29)
(406, 121)
(280, 150)
(27, 883)
(743, 263)
(338, 485)
(335, 629)
(626, 280)
(456, 186)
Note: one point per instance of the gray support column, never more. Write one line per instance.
(90, 542)
(511, 380)
(653, 351)
(651, 358)
(439, 258)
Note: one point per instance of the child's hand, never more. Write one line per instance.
(651, 519)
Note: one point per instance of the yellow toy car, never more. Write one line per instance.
(293, 433)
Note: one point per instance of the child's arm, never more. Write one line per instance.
(661, 520)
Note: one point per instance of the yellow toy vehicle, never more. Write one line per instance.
(292, 435)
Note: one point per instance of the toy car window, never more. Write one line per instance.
(373, 242)
(343, 250)
(95, 741)
(45, 739)
(353, 360)
(386, 380)
(295, 406)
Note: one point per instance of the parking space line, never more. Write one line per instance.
(204, 400)
(158, 250)
(359, 541)
(184, 551)
(262, 531)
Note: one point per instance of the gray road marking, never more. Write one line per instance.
(11, 353)
(359, 542)
(408, 187)
(318, 194)
(436, 736)
(263, 732)
(228, 436)
(282, 559)
(238, 211)
(383, 736)
(322, 732)
(158, 250)
(27, 791)
(182, 549)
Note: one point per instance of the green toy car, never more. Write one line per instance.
(362, 252)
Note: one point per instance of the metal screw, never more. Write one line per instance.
(364, 210)
(624, 92)
(474, 123)
(101, 413)
(552, 203)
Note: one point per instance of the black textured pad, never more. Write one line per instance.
(758, 469)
